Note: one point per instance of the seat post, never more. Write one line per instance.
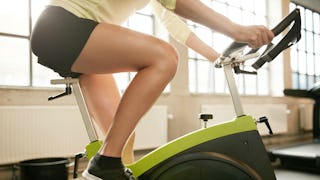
(74, 82)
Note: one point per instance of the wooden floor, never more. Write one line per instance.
(284, 174)
(281, 174)
(7, 173)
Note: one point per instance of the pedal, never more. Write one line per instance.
(266, 122)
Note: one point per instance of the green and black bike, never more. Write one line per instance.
(231, 150)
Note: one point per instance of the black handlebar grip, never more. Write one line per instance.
(260, 62)
(290, 38)
(285, 22)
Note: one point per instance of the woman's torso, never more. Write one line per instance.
(111, 11)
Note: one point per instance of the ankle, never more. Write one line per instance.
(108, 162)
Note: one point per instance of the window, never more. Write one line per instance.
(19, 66)
(203, 77)
(14, 34)
(305, 56)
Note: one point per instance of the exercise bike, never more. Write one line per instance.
(230, 150)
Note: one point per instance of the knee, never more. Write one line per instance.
(168, 59)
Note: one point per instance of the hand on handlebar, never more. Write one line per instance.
(250, 36)
(256, 35)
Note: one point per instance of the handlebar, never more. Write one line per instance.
(293, 16)
(272, 51)
(292, 37)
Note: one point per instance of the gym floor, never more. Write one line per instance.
(284, 174)
(281, 173)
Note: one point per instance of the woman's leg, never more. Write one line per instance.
(102, 98)
(94, 87)
(112, 48)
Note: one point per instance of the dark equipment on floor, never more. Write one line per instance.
(304, 156)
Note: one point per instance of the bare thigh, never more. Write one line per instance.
(111, 48)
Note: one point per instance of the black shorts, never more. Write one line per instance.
(58, 38)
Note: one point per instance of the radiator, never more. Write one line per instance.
(28, 132)
(152, 130)
(276, 113)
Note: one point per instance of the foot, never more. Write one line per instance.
(96, 170)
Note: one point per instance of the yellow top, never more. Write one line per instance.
(118, 11)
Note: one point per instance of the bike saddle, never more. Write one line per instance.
(234, 53)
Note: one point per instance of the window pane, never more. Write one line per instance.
(309, 22)
(206, 2)
(251, 84)
(192, 76)
(14, 17)
(220, 81)
(294, 60)
(42, 75)
(305, 64)
(317, 44)
(240, 83)
(262, 76)
(295, 81)
(191, 53)
(219, 7)
(220, 42)
(234, 3)
(301, 43)
(302, 13)
(302, 81)
(247, 5)
(141, 23)
(310, 45)
(310, 81)
(260, 7)
(316, 22)
(317, 65)
(234, 14)
(36, 8)
(14, 59)
(302, 63)
(292, 7)
(122, 80)
(205, 35)
(310, 64)
(260, 20)
(203, 76)
(247, 18)
(241, 11)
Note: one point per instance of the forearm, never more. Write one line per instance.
(200, 47)
(202, 14)
(180, 31)
(196, 11)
